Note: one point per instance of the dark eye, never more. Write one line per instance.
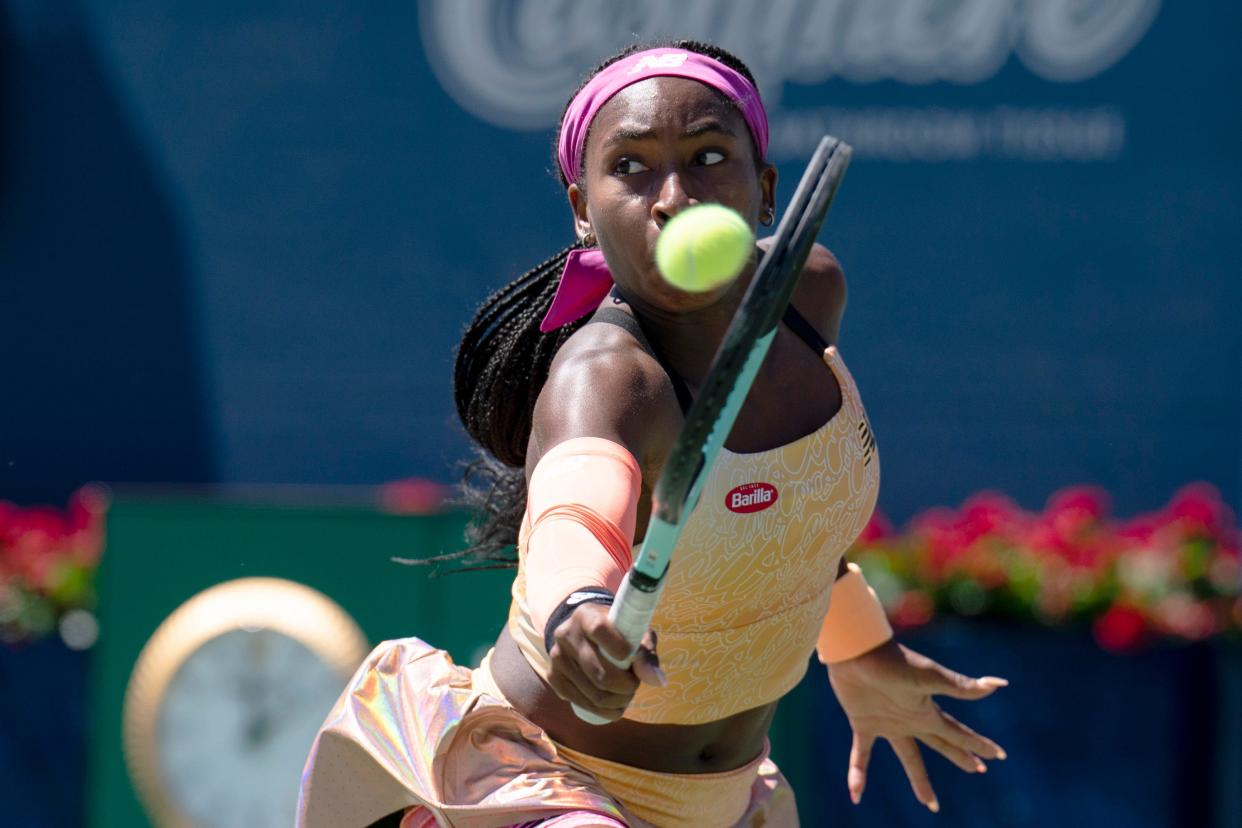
(629, 166)
(710, 157)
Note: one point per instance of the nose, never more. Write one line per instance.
(670, 200)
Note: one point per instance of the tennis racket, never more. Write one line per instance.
(724, 389)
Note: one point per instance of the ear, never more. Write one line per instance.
(767, 187)
(578, 203)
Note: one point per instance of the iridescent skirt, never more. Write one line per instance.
(413, 729)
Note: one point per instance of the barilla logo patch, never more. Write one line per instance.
(750, 497)
(669, 60)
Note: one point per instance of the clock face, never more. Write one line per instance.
(236, 724)
(226, 698)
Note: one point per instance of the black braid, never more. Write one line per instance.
(502, 364)
(504, 351)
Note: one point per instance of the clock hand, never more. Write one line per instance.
(258, 729)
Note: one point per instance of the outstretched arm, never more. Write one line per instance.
(886, 691)
(887, 694)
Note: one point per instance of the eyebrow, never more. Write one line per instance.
(696, 129)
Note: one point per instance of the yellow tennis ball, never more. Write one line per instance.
(703, 247)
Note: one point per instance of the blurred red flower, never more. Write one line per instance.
(913, 609)
(413, 496)
(1174, 572)
(1200, 510)
(1120, 629)
(47, 560)
(1085, 502)
(877, 529)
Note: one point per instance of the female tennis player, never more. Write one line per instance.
(574, 379)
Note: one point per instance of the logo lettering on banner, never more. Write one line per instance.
(750, 497)
(670, 61)
(512, 62)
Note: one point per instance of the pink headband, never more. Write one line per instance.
(586, 279)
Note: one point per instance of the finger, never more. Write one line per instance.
(908, 752)
(959, 734)
(569, 691)
(605, 635)
(575, 643)
(964, 759)
(948, 682)
(581, 692)
(647, 668)
(603, 673)
(860, 757)
(602, 686)
(605, 678)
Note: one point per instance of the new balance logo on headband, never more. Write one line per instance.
(667, 61)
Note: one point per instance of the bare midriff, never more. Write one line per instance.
(711, 747)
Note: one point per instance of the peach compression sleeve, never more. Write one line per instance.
(583, 504)
(855, 622)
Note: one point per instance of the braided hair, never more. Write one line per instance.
(502, 363)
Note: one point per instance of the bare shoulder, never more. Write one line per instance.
(603, 384)
(821, 293)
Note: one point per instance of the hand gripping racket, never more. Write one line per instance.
(724, 389)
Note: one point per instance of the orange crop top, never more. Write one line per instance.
(751, 577)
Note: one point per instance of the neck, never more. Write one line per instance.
(688, 340)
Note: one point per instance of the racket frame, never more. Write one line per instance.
(724, 390)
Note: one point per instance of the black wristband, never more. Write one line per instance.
(586, 595)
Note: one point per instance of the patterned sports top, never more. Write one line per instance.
(752, 574)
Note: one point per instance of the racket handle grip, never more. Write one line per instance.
(589, 717)
(631, 612)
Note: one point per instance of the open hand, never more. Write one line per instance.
(887, 693)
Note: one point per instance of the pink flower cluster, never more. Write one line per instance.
(47, 561)
(1175, 573)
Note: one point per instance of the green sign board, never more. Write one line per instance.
(162, 551)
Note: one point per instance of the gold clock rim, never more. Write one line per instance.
(278, 604)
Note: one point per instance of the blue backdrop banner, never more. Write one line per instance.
(258, 228)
